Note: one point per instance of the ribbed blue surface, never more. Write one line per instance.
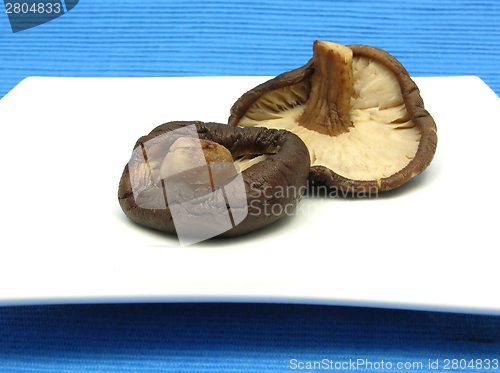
(178, 38)
(235, 338)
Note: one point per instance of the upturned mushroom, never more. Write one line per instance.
(208, 179)
(358, 111)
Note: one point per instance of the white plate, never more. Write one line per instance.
(430, 245)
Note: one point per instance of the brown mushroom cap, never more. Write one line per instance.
(357, 110)
(272, 187)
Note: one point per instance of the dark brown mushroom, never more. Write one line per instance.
(167, 183)
(358, 111)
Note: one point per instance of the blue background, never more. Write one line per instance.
(177, 38)
(185, 38)
(234, 337)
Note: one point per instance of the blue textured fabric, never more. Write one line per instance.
(238, 338)
(177, 38)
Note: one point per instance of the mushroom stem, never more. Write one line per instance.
(328, 107)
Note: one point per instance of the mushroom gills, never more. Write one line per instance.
(247, 161)
(381, 141)
(275, 104)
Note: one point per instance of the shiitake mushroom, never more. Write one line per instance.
(184, 174)
(358, 111)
